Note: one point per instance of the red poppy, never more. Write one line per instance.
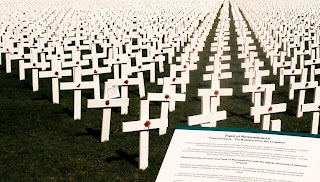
(147, 123)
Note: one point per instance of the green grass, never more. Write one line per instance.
(40, 141)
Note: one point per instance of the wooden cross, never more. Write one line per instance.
(119, 62)
(301, 54)
(55, 73)
(209, 116)
(246, 48)
(106, 104)
(256, 91)
(267, 109)
(144, 125)
(185, 75)
(144, 64)
(77, 84)
(279, 64)
(315, 108)
(95, 71)
(256, 76)
(168, 95)
(35, 66)
(217, 66)
(313, 71)
(125, 82)
(295, 46)
(19, 56)
(292, 72)
(253, 71)
(302, 86)
(214, 91)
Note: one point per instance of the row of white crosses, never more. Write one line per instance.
(57, 35)
(254, 74)
(210, 97)
(85, 35)
(169, 94)
(280, 36)
(168, 97)
(287, 37)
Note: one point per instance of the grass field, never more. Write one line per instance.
(40, 141)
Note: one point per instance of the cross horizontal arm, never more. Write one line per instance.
(312, 107)
(206, 118)
(258, 88)
(212, 92)
(140, 125)
(303, 85)
(275, 108)
(107, 103)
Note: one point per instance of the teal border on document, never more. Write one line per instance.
(247, 131)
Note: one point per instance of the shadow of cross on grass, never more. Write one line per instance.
(91, 132)
(42, 97)
(122, 155)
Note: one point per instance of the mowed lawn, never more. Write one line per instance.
(40, 141)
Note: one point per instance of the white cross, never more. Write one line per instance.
(215, 89)
(302, 86)
(276, 64)
(144, 125)
(141, 67)
(11, 57)
(315, 108)
(77, 84)
(257, 90)
(106, 104)
(55, 73)
(208, 118)
(292, 72)
(267, 109)
(217, 66)
(35, 66)
(313, 70)
(125, 82)
(185, 75)
(302, 53)
(168, 95)
(119, 62)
